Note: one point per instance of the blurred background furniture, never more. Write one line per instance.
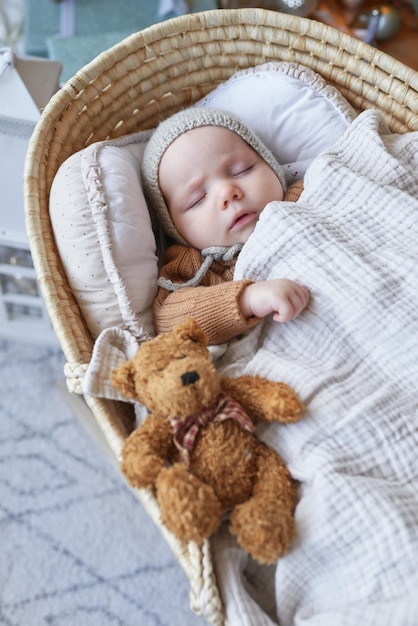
(26, 85)
(76, 32)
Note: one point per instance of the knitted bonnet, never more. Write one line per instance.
(174, 126)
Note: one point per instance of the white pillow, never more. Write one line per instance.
(290, 107)
(100, 219)
(104, 234)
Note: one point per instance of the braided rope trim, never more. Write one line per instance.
(204, 593)
(74, 374)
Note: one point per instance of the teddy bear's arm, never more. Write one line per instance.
(263, 399)
(145, 452)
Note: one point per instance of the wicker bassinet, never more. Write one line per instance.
(131, 87)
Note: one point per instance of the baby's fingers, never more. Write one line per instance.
(290, 307)
(300, 297)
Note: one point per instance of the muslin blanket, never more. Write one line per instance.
(353, 358)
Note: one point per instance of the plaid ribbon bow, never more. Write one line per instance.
(186, 428)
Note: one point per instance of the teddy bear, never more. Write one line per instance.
(196, 449)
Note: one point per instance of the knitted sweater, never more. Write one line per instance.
(214, 303)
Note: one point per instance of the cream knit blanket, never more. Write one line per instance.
(353, 357)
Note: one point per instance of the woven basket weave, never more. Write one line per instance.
(131, 87)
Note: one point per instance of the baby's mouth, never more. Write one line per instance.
(242, 219)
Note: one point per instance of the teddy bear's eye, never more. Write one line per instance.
(164, 366)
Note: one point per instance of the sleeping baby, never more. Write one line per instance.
(208, 178)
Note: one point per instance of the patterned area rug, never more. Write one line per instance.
(76, 547)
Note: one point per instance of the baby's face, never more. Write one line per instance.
(215, 186)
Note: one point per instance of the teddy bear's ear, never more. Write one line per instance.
(123, 379)
(190, 329)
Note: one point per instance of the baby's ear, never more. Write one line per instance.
(123, 379)
(191, 330)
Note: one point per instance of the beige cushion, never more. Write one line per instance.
(104, 234)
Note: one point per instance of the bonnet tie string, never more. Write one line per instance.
(185, 429)
(214, 253)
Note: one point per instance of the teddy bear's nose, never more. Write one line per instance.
(188, 378)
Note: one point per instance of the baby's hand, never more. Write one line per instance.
(282, 297)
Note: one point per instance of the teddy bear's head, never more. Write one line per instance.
(171, 374)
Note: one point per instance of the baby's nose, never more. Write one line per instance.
(229, 193)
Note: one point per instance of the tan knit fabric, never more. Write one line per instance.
(294, 191)
(214, 303)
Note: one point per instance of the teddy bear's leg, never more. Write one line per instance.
(189, 507)
(264, 524)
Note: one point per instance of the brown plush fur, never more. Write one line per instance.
(229, 469)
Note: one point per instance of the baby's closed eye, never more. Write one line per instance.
(241, 168)
(195, 201)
